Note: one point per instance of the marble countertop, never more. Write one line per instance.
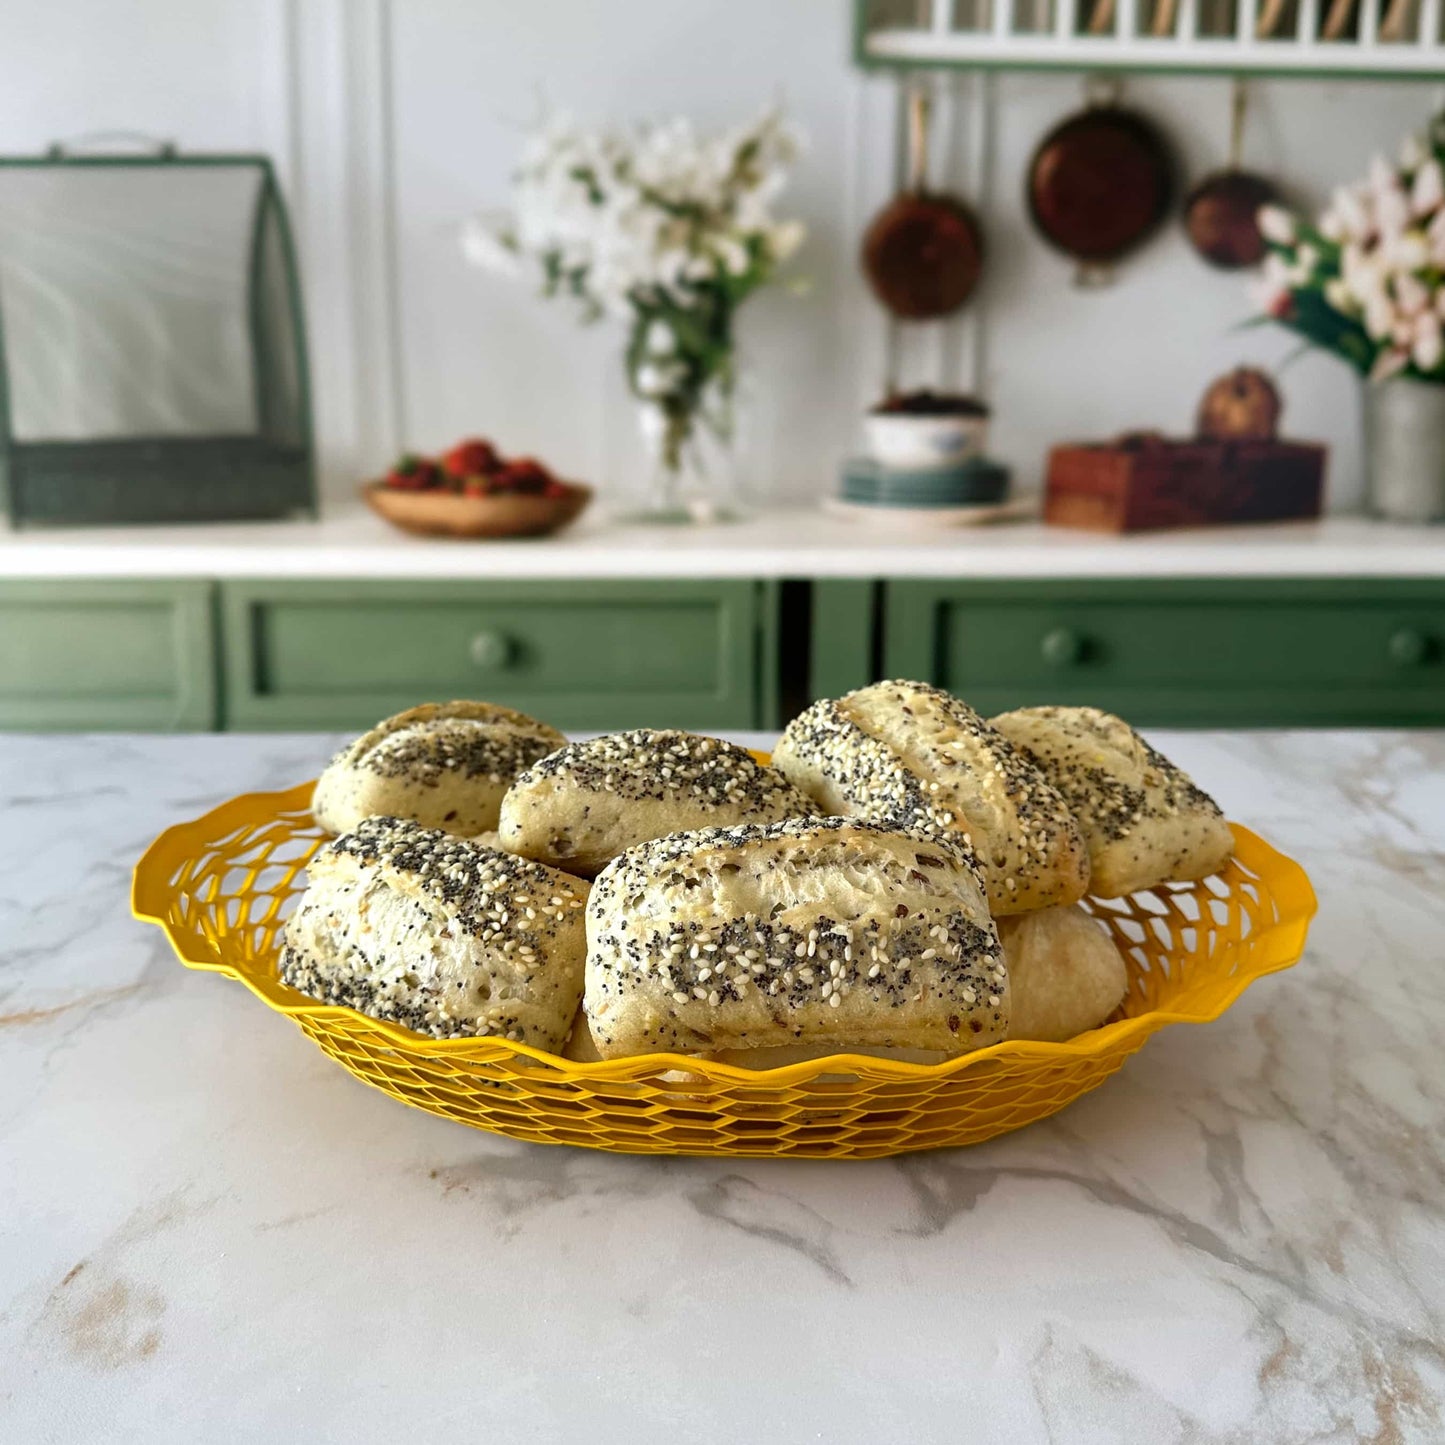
(208, 1231)
(796, 543)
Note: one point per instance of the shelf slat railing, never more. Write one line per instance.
(1429, 24)
(1388, 41)
(1369, 23)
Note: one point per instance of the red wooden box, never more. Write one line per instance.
(1139, 484)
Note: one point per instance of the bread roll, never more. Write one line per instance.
(580, 807)
(581, 1049)
(837, 932)
(445, 765)
(1065, 974)
(408, 924)
(785, 1054)
(914, 754)
(579, 1046)
(1065, 977)
(1144, 820)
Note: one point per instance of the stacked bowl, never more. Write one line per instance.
(925, 456)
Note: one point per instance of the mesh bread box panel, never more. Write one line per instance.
(152, 352)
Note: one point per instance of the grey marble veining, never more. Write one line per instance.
(210, 1232)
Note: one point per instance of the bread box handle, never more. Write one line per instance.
(490, 650)
(111, 142)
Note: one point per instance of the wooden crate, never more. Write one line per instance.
(1151, 483)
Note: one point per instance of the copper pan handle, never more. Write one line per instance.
(919, 105)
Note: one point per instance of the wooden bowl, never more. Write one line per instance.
(453, 514)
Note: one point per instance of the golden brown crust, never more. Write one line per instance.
(1065, 973)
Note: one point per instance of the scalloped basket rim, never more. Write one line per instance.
(171, 849)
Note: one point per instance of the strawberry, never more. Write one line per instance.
(525, 475)
(414, 474)
(478, 486)
(472, 458)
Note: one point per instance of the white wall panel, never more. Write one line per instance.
(201, 74)
(482, 355)
(392, 119)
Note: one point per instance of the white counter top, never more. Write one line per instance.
(208, 1231)
(777, 544)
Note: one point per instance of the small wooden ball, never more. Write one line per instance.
(1243, 405)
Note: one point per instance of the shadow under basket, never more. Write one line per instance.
(221, 886)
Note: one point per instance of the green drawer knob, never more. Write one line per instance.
(490, 649)
(1408, 648)
(1061, 647)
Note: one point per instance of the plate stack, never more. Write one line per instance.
(924, 465)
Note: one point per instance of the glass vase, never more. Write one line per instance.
(691, 456)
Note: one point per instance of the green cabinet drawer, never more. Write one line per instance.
(1237, 653)
(107, 655)
(324, 654)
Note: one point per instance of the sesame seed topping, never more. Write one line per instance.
(912, 754)
(684, 888)
(499, 985)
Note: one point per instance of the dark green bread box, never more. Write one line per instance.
(152, 343)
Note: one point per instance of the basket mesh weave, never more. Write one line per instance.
(222, 885)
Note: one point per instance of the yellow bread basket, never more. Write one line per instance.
(221, 886)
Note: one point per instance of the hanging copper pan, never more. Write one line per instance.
(1099, 185)
(923, 253)
(1221, 212)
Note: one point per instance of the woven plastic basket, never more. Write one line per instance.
(222, 885)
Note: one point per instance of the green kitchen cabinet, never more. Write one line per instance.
(107, 655)
(1235, 652)
(581, 654)
(844, 635)
(196, 654)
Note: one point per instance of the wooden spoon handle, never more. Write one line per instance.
(1269, 18)
(1396, 21)
(1164, 13)
(1337, 19)
(1101, 21)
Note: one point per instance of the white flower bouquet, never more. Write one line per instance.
(662, 228)
(1368, 280)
